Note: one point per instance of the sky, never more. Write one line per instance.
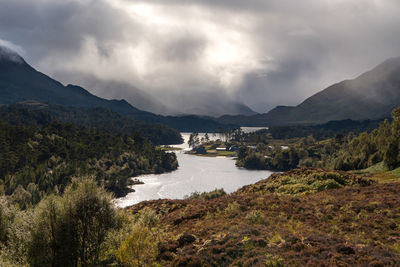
(262, 53)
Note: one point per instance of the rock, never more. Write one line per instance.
(186, 239)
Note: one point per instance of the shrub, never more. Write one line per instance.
(273, 261)
(147, 217)
(207, 195)
(255, 217)
(139, 249)
(325, 185)
(232, 209)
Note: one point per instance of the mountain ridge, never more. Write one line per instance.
(371, 95)
(21, 82)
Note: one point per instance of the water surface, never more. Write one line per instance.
(195, 173)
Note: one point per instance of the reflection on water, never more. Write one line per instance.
(194, 174)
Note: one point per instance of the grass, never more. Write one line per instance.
(377, 168)
(380, 173)
(388, 176)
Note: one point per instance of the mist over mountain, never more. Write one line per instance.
(201, 102)
(7, 54)
(372, 95)
(20, 82)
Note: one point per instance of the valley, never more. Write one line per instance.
(161, 160)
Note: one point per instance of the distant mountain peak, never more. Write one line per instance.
(7, 54)
(370, 96)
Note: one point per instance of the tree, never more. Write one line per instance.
(391, 154)
(194, 140)
(69, 230)
(396, 114)
(139, 249)
(206, 137)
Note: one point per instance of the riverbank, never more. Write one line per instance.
(194, 174)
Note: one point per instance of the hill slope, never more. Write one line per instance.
(298, 218)
(372, 95)
(20, 82)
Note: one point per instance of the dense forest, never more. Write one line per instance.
(36, 161)
(342, 152)
(323, 131)
(39, 114)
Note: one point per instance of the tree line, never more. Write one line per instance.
(341, 152)
(39, 114)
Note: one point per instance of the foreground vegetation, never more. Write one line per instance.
(304, 217)
(80, 228)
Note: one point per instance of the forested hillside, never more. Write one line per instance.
(36, 161)
(39, 114)
(343, 152)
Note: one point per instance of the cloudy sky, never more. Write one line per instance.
(259, 52)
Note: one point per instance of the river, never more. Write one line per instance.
(195, 174)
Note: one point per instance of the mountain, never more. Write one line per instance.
(177, 103)
(20, 82)
(372, 95)
(216, 108)
(111, 89)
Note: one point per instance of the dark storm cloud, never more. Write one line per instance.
(262, 53)
(59, 27)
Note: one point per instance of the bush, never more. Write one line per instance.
(69, 230)
(207, 195)
(255, 217)
(325, 185)
(273, 261)
(232, 209)
(139, 249)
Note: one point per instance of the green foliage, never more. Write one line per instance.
(273, 261)
(139, 249)
(38, 161)
(340, 152)
(94, 118)
(255, 217)
(305, 181)
(233, 209)
(281, 160)
(15, 228)
(69, 230)
(147, 217)
(207, 195)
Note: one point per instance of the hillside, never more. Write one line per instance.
(300, 218)
(47, 158)
(32, 113)
(20, 82)
(372, 96)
